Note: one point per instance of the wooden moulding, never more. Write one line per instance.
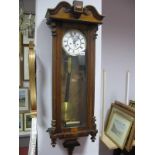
(70, 144)
(64, 11)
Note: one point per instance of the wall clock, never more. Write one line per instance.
(74, 30)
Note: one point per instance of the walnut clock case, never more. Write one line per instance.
(74, 30)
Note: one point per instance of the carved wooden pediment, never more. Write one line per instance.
(65, 12)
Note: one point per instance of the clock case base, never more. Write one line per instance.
(70, 141)
(70, 144)
(72, 134)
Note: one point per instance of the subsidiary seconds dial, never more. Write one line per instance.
(74, 43)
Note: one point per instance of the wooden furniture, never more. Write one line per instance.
(74, 30)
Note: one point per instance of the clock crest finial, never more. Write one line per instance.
(77, 7)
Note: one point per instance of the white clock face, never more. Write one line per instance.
(74, 43)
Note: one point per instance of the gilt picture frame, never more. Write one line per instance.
(24, 100)
(130, 112)
(118, 127)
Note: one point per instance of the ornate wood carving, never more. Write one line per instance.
(94, 131)
(70, 144)
(53, 25)
(64, 11)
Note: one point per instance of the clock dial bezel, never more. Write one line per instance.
(73, 51)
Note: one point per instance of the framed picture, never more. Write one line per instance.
(118, 127)
(130, 112)
(27, 121)
(23, 100)
(21, 124)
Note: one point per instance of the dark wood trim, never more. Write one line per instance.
(94, 12)
(64, 11)
(55, 10)
(70, 144)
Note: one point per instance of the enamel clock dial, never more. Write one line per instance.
(74, 43)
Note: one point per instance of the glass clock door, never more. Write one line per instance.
(73, 76)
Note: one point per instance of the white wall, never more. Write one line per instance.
(118, 52)
(43, 40)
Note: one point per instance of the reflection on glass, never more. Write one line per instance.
(73, 90)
